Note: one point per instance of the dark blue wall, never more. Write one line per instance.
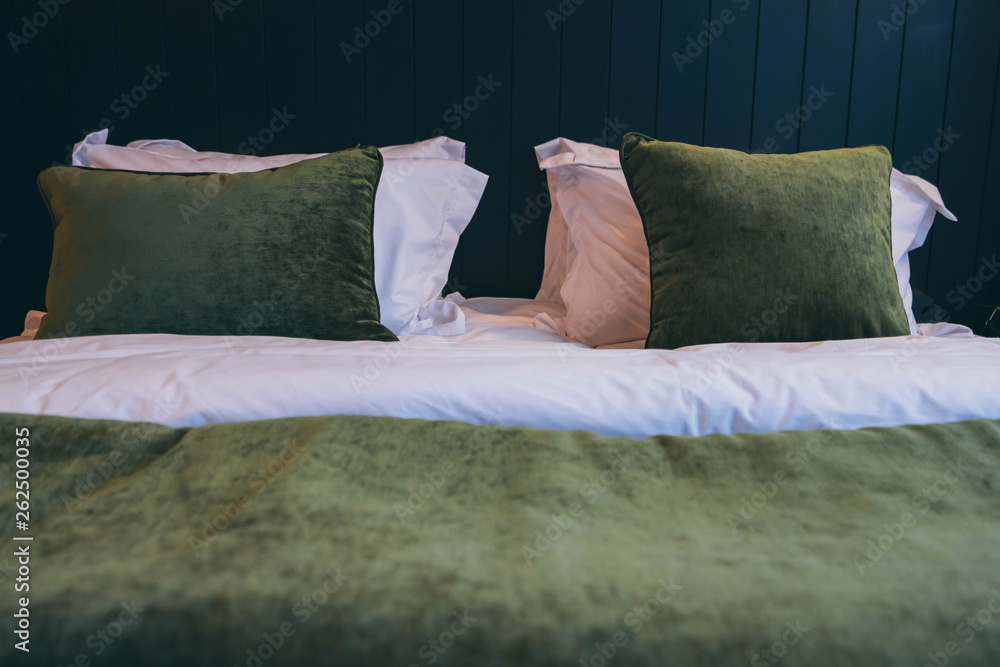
(579, 68)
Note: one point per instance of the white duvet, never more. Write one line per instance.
(508, 369)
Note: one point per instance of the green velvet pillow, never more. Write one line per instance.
(765, 248)
(283, 252)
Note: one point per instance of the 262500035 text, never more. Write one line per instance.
(22, 518)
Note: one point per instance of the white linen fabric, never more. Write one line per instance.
(506, 370)
(605, 287)
(915, 202)
(597, 262)
(426, 197)
(557, 248)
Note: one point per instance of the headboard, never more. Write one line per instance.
(505, 75)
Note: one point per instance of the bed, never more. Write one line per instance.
(504, 495)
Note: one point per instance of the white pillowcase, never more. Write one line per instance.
(602, 276)
(915, 202)
(426, 197)
(597, 261)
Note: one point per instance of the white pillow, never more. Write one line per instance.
(426, 197)
(597, 262)
(604, 279)
(915, 202)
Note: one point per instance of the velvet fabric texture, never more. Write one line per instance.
(356, 541)
(765, 248)
(284, 252)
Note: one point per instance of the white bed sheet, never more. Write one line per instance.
(509, 369)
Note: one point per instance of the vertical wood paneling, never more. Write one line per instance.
(438, 82)
(635, 39)
(488, 45)
(241, 77)
(91, 71)
(680, 113)
(9, 115)
(989, 228)
(972, 83)
(142, 108)
(291, 74)
(562, 68)
(923, 85)
(43, 92)
(586, 45)
(45, 131)
(778, 90)
(340, 78)
(389, 73)
(534, 120)
(731, 60)
(190, 59)
(8, 76)
(829, 58)
(9, 111)
(437, 66)
(878, 49)
(13, 225)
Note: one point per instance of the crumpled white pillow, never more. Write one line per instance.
(426, 197)
(597, 262)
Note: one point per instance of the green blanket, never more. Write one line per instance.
(377, 541)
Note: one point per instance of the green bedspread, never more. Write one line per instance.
(378, 541)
